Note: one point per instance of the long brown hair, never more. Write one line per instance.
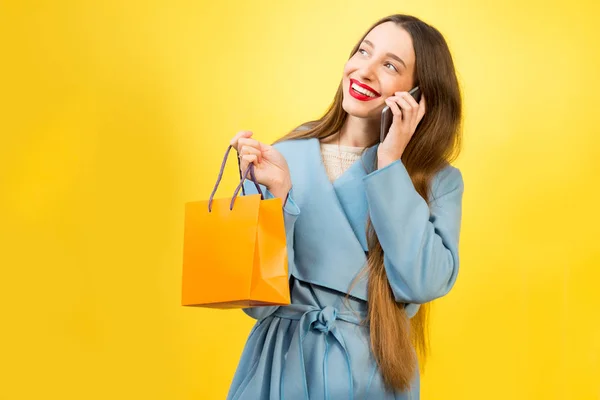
(435, 143)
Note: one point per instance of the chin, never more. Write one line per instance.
(358, 110)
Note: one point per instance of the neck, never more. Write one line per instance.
(358, 132)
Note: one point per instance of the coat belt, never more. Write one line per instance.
(322, 320)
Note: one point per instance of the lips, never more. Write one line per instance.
(360, 96)
(362, 85)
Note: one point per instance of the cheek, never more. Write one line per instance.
(346, 71)
(349, 67)
(393, 85)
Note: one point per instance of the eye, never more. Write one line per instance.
(361, 51)
(392, 65)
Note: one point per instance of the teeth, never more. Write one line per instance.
(363, 90)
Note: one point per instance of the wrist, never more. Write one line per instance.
(385, 158)
(281, 189)
(383, 162)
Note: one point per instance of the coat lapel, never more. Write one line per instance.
(350, 192)
(329, 238)
(337, 195)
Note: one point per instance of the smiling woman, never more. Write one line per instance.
(392, 61)
(391, 215)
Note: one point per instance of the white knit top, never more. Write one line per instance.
(338, 159)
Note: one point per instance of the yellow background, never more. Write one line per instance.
(114, 114)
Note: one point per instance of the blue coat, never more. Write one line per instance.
(316, 348)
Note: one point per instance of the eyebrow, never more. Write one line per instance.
(391, 55)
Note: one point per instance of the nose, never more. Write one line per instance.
(367, 71)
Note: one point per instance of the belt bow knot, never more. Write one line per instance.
(325, 319)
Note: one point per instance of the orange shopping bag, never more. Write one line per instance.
(234, 250)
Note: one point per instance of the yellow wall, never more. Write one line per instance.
(115, 113)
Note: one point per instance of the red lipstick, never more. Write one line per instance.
(360, 96)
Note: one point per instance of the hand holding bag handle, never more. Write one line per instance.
(249, 171)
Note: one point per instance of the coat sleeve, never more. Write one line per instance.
(290, 214)
(420, 242)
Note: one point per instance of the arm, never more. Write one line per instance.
(420, 243)
(290, 214)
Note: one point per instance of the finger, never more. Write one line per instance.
(407, 111)
(250, 158)
(243, 164)
(408, 97)
(249, 142)
(246, 160)
(245, 150)
(421, 110)
(250, 146)
(238, 136)
(414, 108)
(390, 101)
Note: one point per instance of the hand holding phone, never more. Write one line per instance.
(387, 116)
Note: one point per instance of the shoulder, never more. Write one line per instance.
(446, 180)
(300, 157)
(293, 148)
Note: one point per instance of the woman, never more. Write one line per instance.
(366, 250)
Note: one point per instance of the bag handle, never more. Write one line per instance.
(249, 171)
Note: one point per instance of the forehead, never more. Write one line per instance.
(389, 37)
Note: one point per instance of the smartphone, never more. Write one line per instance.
(387, 116)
